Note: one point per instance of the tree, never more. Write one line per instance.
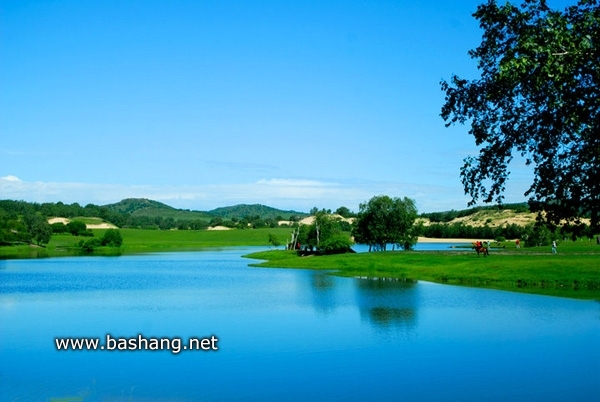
(344, 212)
(384, 220)
(77, 228)
(539, 96)
(39, 229)
(324, 234)
(112, 238)
(273, 240)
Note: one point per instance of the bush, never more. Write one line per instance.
(335, 244)
(273, 240)
(112, 238)
(59, 227)
(77, 228)
(538, 235)
(88, 246)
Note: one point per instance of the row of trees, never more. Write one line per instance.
(127, 220)
(383, 221)
(460, 230)
(380, 222)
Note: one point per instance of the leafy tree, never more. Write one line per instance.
(217, 221)
(112, 238)
(39, 229)
(77, 228)
(344, 212)
(324, 234)
(384, 220)
(273, 240)
(537, 235)
(538, 96)
(89, 245)
(337, 243)
(59, 227)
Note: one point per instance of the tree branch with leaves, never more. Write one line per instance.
(538, 96)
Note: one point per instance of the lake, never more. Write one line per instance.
(283, 334)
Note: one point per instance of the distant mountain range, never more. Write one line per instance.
(145, 207)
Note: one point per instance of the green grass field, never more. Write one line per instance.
(573, 272)
(149, 241)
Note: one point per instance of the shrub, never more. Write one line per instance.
(112, 238)
(77, 228)
(59, 227)
(335, 244)
(88, 246)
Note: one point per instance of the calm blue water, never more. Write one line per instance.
(284, 335)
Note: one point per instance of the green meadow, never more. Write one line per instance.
(573, 272)
(137, 241)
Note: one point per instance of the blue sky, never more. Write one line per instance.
(202, 104)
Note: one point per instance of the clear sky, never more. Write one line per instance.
(202, 104)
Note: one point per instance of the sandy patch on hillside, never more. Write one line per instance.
(492, 219)
(103, 225)
(65, 221)
(218, 228)
(309, 220)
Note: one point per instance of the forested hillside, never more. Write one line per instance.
(243, 210)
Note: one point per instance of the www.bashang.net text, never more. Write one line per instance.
(139, 342)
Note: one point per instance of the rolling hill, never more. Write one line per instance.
(150, 208)
(243, 210)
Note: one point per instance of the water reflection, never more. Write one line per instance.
(322, 288)
(387, 303)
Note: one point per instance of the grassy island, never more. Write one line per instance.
(573, 272)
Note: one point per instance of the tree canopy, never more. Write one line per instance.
(39, 228)
(538, 95)
(383, 220)
(325, 234)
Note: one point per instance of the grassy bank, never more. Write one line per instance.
(573, 272)
(149, 241)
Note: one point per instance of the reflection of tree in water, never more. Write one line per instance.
(387, 303)
(385, 316)
(322, 291)
(322, 282)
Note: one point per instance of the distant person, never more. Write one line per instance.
(598, 240)
(518, 243)
(553, 246)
